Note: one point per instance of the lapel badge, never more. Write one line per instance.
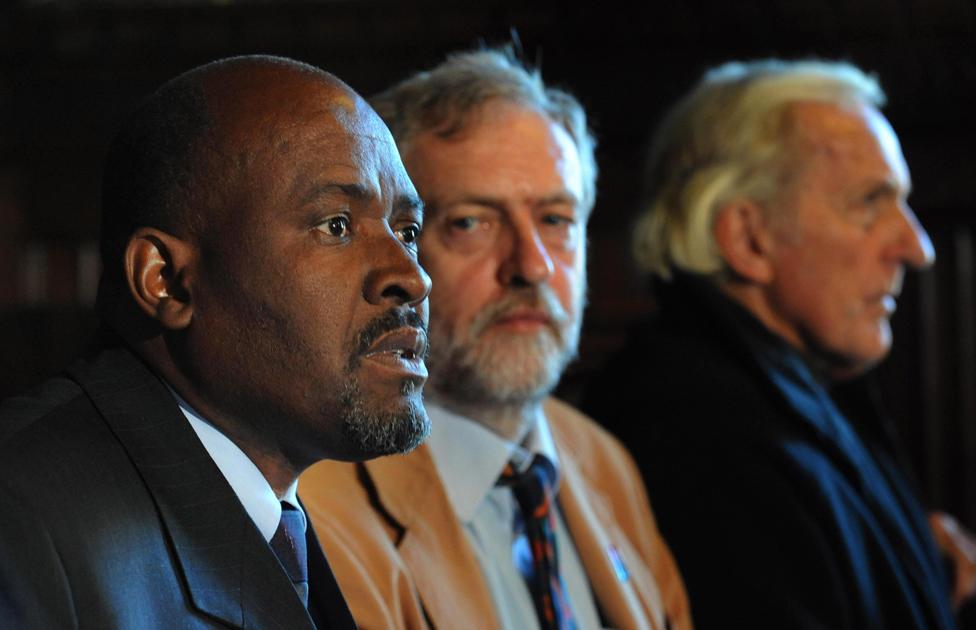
(618, 564)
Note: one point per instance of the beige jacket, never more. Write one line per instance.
(403, 561)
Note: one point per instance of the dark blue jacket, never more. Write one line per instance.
(779, 512)
(112, 515)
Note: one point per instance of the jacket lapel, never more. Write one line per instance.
(433, 546)
(326, 603)
(623, 586)
(230, 571)
(901, 523)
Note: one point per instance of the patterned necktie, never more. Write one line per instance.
(533, 490)
(288, 543)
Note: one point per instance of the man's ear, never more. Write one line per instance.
(744, 239)
(156, 269)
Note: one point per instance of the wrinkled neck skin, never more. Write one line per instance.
(830, 368)
(512, 422)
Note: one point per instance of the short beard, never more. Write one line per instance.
(376, 433)
(483, 367)
(371, 431)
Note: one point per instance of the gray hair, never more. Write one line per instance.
(726, 139)
(444, 99)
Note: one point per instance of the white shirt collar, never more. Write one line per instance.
(470, 457)
(252, 489)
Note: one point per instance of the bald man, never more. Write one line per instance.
(262, 309)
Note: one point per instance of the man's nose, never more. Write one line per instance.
(528, 261)
(395, 277)
(914, 247)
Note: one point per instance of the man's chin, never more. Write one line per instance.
(498, 379)
(499, 367)
(845, 366)
(374, 430)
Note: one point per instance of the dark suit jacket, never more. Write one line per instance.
(779, 513)
(113, 515)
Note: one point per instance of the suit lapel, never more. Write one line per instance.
(433, 546)
(230, 571)
(617, 575)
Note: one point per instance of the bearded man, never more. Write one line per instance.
(520, 512)
(262, 308)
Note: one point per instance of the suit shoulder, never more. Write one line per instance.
(573, 425)
(54, 443)
(594, 448)
(18, 413)
(670, 390)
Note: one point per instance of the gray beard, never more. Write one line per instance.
(501, 370)
(377, 433)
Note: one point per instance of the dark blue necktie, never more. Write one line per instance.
(288, 543)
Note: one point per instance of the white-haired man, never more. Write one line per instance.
(520, 512)
(778, 224)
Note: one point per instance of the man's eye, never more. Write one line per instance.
(876, 199)
(465, 224)
(559, 230)
(469, 233)
(558, 219)
(409, 234)
(336, 226)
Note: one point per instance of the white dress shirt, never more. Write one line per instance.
(252, 489)
(469, 459)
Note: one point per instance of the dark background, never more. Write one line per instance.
(69, 71)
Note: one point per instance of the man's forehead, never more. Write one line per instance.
(831, 127)
(507, 144)
(310, 106)
(350, 111)
(857, 137)
(303, 111)
(341, 159)
(307, 129)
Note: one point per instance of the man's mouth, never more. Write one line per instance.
(883, 304)
(528, 319)
(402, 350)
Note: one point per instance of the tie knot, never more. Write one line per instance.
(533, 487)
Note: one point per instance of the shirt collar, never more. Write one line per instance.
(470, 457)
(245, 479)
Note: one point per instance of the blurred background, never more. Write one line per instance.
(70, 71)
